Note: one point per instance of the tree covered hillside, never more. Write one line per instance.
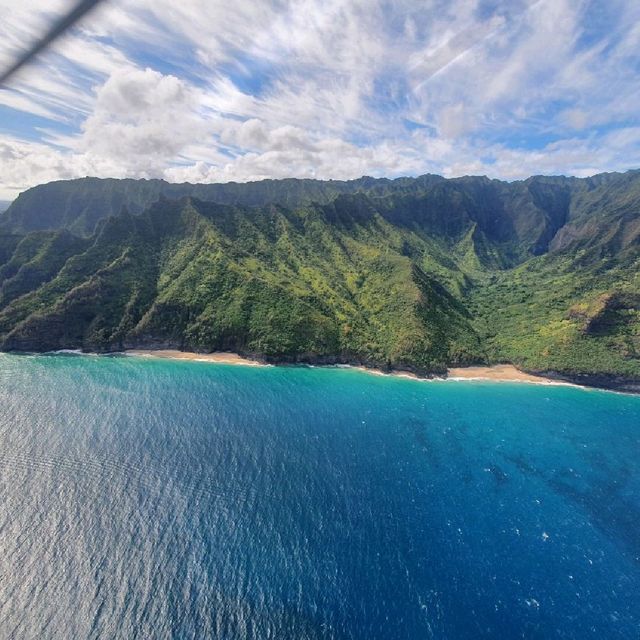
(415, 274)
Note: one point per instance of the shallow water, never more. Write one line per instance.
(161, 499)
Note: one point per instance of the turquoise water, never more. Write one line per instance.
(145, 498)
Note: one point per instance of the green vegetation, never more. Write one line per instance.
(415, 274)
(549, 315)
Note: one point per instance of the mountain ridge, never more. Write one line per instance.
(413, 274)
(90, 199)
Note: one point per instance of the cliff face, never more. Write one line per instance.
(410, 273)
(534, 216)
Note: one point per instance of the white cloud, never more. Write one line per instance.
(194, 90)
(142, 120)
(32, 163)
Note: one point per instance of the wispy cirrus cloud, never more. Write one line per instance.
(203, 91)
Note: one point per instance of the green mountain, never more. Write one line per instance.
(78, 205)
(415, 274)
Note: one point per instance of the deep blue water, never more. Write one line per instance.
(145, 498)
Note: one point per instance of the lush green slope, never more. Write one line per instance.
(412, 274)
(334, 281)
(551, 314)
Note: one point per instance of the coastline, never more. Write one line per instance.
(504, 372)
(501, 373)
(220, 357)
(492, 373)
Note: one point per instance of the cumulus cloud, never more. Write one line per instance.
(32, 163)
(143, 119)
(324, 88)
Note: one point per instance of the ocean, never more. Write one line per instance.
(148, 498)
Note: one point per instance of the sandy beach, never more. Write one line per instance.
(221, 357)
(497, 373)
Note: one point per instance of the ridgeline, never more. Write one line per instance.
(413, 274)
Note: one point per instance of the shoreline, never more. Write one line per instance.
(502, 373)
(219, 357)
(499, 373)
(492, 373)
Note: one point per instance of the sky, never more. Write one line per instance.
(214, 91)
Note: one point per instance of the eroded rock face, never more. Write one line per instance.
(609, 312)
(519, 219)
